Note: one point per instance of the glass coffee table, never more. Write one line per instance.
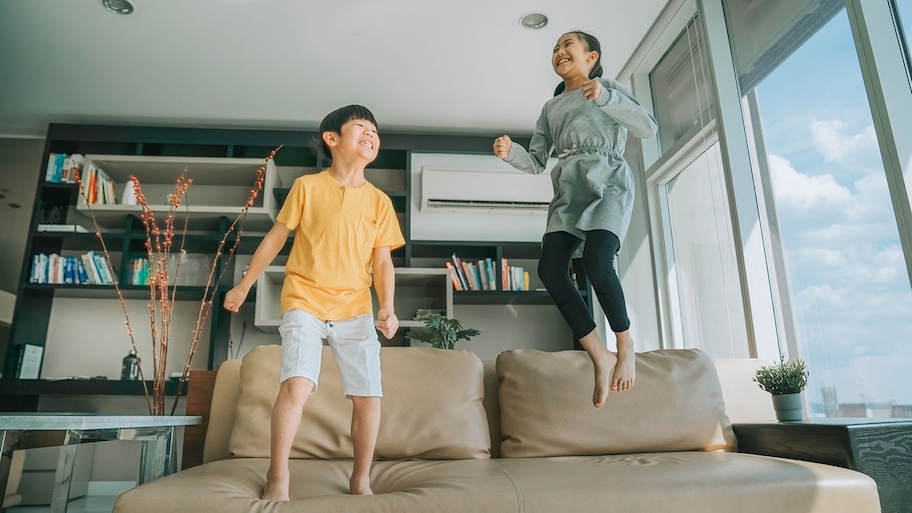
(67, 430)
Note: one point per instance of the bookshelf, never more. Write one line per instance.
(62, 317)
(219, 190)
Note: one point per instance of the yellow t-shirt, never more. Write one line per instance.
(328, 273)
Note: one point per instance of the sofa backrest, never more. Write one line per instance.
(744, 402)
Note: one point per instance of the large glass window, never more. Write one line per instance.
(849, 297)
(904, 13)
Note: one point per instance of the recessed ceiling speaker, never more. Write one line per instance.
(118, 6)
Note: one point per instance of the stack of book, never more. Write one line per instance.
(87, 269)
(480, 275)
(99, 187)
(62, 167)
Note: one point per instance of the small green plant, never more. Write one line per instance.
(786, 377)
(442, 333)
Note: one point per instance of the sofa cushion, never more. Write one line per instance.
(682, 482)
(546, 405)
(432, 407)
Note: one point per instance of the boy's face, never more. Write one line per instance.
(358, 137)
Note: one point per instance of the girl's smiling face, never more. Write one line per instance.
(571, 57)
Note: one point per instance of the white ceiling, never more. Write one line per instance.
(420, 65)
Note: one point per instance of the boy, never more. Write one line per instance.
(345, 229)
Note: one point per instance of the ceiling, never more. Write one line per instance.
(463, 66)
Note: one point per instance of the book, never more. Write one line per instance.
(29, 361)
(460, 272)
(73, 228)
(456, 284)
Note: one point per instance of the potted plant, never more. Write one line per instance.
(784, 381)
(442, 332)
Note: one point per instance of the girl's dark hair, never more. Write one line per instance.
(333, 123)
(592, 45)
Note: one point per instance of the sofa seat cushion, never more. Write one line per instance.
(683, 482)
(432, 407)
(546, 407)
(235, 485)
(688, 482)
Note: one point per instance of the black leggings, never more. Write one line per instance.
(598, 258)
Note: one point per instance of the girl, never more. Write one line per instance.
(587, 123)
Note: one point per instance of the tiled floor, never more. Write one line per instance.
(88, 504)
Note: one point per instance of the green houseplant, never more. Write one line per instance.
(442, 332)
(784, 381)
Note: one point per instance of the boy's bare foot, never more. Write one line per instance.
(625, 371)
(604, 368)
(276, 488)
(360, 486)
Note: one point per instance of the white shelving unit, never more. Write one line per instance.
(416, 288)
(220, 188)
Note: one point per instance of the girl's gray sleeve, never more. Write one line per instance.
(540, 147)
(619, 103)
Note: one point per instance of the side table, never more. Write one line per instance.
(880, 448)
(31, 430)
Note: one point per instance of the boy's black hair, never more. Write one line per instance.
(592, 45)
(333, 123)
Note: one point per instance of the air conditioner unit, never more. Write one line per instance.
(484, 192)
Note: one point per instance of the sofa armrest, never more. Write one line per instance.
(199, 402)
(877, 447)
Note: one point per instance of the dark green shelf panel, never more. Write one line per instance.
(25, 387)
(503, 297)
(184, 293)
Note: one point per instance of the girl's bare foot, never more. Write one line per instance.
(604, 368)
(360, 486)
(625, 371)
(276, 488)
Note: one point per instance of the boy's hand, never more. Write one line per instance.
(234, 298)
(592, 89)
(502, 146)
(387, 323)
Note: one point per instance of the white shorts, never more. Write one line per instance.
(354, 343)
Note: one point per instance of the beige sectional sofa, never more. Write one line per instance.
(515, 435)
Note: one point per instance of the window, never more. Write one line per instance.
(848, 292)
(904, 13)
(681, 89)
(704, 291)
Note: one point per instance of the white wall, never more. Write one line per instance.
(18, 182)
(87, 337)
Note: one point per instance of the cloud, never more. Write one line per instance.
(831, 141)
(796, 189)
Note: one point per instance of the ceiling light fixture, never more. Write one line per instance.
(118, 6)
(533, 20)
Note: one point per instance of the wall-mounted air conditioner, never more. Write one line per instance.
(483, 192)
(461, 197)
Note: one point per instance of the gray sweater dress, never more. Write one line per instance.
(593, 185)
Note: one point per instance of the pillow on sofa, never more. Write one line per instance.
(432, 407)
(546, 405)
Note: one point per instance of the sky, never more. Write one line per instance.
(849, 287)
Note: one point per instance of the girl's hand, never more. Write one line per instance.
(592, 89)
(502, 146)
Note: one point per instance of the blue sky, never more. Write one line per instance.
(849, 287)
